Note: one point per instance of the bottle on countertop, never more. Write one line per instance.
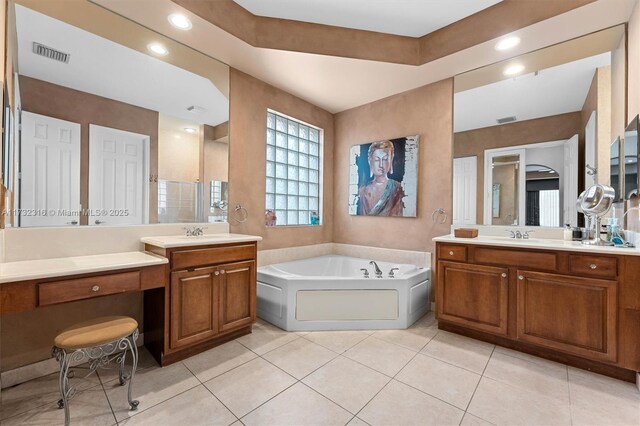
(568, 233)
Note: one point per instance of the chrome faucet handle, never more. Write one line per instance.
(188, 230)
(391, 274)
(518, 234)
(513, 234)
(365, 272)
(525, 235)
(377, 269)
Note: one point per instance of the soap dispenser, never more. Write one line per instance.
(567, 233)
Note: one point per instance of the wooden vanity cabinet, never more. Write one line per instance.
(474, 296)
(211, 298)
(573, 307)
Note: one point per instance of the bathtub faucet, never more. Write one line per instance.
(365, 272)
(391, 273)
(377, 269)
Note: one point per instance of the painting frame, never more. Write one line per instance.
(383, 178)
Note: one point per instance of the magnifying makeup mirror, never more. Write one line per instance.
(595, 202)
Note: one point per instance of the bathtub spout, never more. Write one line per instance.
(377, 269)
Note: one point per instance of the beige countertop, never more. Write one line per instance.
(539, 243)
(64, 266)
(170, 241)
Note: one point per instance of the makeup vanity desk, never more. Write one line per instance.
(199, 292)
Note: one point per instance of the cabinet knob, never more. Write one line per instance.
(223, 272)
(451, 253)
(520, 277)
(504, 275)
(95, 288)
(593, 266)
(216, 273)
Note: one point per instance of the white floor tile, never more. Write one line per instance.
(459, 350)
(382, 356)
(250, 385)
(502, 404)
(542, 379)
(262, 341)
(151, 386)
(89, 407)
(447, 382)
(300, 357)
(347, 383)
(399, 404)
(218, 360)
(40, 392)
(412, 338)
(196, 406)
(337, 341)
(296, 406)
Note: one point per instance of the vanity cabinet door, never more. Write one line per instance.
(237, 295)
(570, 314)
(474, 296)
(194, 306)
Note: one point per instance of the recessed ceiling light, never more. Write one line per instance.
(180, 21)
(507, 43)
(513, 69)
(189, 130)
(157, 48)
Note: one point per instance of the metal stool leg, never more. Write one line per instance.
(134, 365)
(65, 390)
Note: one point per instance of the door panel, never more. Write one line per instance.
(194, 309)
(237, 295)
(474, 296)
(118, 189)
(464, 190)
(570, 314)
(50, 171)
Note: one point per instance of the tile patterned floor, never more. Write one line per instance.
(419, 376)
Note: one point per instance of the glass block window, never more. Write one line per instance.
(294, 171)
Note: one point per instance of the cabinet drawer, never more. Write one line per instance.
(546, 260)
(84, 288)
(593, 265)
(452, 252)
(210, 256)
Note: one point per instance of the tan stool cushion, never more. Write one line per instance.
(95, 332)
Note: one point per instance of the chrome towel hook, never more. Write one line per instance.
(240, 214)
(439, 212)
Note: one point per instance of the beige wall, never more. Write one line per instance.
(178, 155)
(618, 92)
(426, 111)
(49, 99)
(474, 142)
(603, 127)
(249, 100)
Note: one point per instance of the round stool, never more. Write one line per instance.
(102, 340)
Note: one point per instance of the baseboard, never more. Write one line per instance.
(38, 369)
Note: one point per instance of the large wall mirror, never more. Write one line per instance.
(532, 132)
(119, 125)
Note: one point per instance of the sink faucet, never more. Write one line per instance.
(195, 231)
(517, 234)
(377, 269)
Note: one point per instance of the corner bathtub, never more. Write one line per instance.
(330, 293)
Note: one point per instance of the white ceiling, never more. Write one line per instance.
(110, 70)
(553, 91)
(412, 18)
(336, 83)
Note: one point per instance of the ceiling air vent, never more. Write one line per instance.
(47, 52)
(196, 109)
(504, 120)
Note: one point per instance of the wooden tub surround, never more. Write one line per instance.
(563, 303)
